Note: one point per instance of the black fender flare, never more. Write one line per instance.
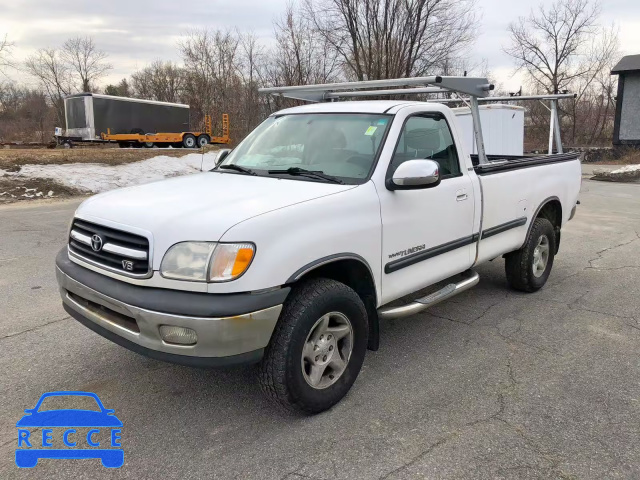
(371, 306)
(535, 215)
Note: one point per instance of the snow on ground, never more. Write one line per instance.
(628, 173)
(626, 169)
(95, 178)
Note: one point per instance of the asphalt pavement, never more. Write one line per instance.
(492, 384)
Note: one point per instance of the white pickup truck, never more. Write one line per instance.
(291, 249)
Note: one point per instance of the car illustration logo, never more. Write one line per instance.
(82, 433)
(96, 243)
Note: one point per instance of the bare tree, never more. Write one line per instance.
(549, 45)
(564, 48)
(394, 38)
(24, 114)
(162, 81)
(85, 60)
(301, 55)
(212, 60)
(5, 53)
(53, 76)
(253, 60)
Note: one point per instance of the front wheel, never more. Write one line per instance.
(529, 268)
(317, 348)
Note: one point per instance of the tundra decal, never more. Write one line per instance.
(408, 251)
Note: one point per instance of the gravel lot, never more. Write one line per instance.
(492, 384)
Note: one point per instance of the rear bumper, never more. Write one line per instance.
(231, 329)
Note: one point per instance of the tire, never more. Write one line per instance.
(189, 141)
(526, 268)
(135, 143)
(203, 141)
(123, 144)
(286, 373)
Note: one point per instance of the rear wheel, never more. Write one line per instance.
(203, 141)
(529, 268)
(317, 348)
(123, 144)
(189, 141)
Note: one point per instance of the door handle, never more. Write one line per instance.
(461, 197)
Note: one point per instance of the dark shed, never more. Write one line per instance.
(626, 129)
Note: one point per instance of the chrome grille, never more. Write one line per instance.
(112, 249)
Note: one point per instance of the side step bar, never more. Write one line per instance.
(423, 303)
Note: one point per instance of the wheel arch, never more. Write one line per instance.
(551, 209)
(355, 272)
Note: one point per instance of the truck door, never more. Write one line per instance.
(427, 233)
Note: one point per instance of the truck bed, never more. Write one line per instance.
(511, 201)
(501, 163)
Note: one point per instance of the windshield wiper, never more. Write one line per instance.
(237, 168)
(306, 173)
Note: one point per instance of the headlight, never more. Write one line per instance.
(187, 261)
(207, 261)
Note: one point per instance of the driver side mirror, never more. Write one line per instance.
(222, 154)
(415, 174)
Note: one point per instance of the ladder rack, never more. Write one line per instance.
(473, 86)
(476, 88)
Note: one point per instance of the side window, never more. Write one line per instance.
(430, 138)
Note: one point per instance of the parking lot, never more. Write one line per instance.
(491, 384)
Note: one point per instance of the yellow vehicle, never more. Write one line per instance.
(164, 140)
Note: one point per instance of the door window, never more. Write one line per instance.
(427, 138)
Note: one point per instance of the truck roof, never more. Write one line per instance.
(366, 106)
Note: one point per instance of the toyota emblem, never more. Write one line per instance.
(96, 243)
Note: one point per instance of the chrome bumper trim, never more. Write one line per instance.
(217, 337)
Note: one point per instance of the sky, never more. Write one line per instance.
(134, 33)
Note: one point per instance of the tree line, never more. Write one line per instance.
(562, 47)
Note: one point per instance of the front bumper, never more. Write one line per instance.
(231, 329)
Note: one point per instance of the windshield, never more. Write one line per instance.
(340, 145)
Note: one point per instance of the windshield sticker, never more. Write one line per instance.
(370, 131)
(382, 121)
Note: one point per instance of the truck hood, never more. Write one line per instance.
(198, 207)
